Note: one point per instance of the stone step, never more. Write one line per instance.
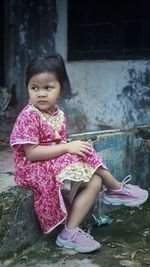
(19, 226)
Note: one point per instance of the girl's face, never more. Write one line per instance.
(44, 90)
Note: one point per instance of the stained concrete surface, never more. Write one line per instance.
(126, 242)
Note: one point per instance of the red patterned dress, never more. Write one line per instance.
(47, 177)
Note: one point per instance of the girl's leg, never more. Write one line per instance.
(121, 193)
(108, 180)
(84, 201)
(72, 236)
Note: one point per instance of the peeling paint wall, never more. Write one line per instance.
(29, 29)
(30, 26)
(110, 94)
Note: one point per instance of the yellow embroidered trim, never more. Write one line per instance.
(78, 171)
(55, 121)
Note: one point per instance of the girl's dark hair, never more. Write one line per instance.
(51, 62)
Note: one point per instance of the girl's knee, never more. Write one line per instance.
(96, 183)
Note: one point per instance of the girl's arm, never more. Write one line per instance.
(38, 152)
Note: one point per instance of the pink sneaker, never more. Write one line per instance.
(128, 195)
(78, 240)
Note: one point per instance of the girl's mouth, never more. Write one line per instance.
(42, 102)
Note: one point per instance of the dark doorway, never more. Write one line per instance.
(2, 42)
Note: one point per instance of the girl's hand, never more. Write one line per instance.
(80, 148)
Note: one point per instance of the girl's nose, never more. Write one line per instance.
(41, 93)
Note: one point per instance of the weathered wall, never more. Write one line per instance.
(29, 31)
(110, 94)
(30, 28)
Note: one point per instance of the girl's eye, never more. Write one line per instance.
(49, 88)
(34, 88)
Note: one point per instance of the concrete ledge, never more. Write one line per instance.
(124, 154)
(19, 226)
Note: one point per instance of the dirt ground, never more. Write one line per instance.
(125, 242)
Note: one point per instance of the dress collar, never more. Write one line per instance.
(53, 112)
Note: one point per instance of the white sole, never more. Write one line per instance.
(115, 202)
(70, 245)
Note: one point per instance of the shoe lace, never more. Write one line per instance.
(81, 233)
(126, 186)
(127, 179)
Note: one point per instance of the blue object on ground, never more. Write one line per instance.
(102, 219)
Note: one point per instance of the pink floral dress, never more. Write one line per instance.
(47, 177)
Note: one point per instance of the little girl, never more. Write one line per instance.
(59, 172)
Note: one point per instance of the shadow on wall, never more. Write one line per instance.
(7, 97)
(8, 107)
(135, 97)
